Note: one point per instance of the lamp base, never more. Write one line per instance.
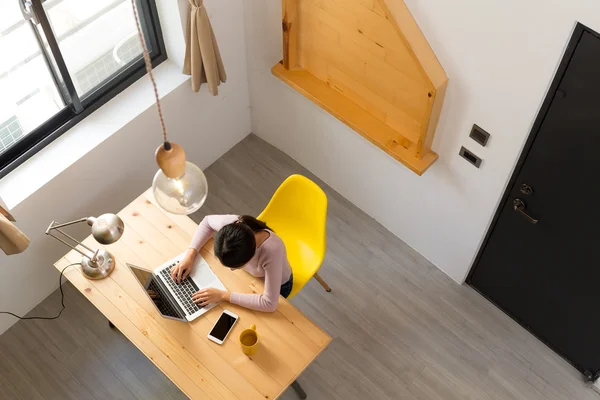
(99, 269)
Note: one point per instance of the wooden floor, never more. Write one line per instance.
(401, 328)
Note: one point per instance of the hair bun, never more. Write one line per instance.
(255, 224)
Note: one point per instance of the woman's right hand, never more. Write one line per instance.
(185, 266)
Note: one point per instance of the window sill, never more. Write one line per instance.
(86, 135)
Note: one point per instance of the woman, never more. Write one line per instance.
(241, 242)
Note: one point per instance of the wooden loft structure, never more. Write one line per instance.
(367, 63)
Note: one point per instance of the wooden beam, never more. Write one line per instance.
(431, 120)
(290, 33)
(436, 110)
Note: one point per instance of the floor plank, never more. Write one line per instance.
(401, 328)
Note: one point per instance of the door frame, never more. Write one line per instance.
(578, 32)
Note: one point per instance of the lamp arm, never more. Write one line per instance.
(74, 240)
(68, 244)
(52, 226)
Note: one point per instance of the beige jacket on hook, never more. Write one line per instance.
(12, 240)
(202, 58)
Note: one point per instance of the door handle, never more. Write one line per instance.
(28, 11)
(519, 206)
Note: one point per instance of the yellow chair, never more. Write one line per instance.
(297, 212)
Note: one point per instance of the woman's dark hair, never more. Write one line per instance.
(235, 243)
(255, 224)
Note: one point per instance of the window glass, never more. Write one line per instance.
(28, 94)
(96, 38)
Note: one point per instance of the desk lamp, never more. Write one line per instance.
(106, 229)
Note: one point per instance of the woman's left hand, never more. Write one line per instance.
(210, 296)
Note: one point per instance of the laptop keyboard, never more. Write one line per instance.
(183, 290)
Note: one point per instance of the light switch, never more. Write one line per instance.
(479, 135)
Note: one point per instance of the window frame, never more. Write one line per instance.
(69, 116)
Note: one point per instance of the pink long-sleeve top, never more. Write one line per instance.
(269, 262)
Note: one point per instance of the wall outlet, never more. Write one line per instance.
(470, 157)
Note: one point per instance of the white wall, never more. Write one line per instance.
(120, 168)
(500, 57)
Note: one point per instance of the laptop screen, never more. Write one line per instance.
(155, 292)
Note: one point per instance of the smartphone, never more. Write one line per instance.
(222, 327)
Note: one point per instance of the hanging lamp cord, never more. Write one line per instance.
(148, 63)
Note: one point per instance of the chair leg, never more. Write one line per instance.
(322, 282)
(298, 389)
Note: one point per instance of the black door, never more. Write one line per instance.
(540, 262)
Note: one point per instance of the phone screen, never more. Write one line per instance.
(223, 326)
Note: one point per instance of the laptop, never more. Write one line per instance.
(174, 300)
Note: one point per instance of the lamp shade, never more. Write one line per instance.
(182, 195)
(107, 228)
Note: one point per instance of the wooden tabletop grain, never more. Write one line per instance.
(200, 368)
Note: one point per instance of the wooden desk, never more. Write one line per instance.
(199, 367)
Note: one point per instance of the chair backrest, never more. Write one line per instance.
(297, 212)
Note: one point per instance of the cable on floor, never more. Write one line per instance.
(62, 298)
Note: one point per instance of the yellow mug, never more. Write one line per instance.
(249, 340)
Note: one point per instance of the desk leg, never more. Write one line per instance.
(298, 389)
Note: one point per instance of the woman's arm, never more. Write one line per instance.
(273, 266)
(209, 225)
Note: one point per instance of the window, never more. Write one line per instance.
(62, 59)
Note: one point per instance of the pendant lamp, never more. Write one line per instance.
(179, 186)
